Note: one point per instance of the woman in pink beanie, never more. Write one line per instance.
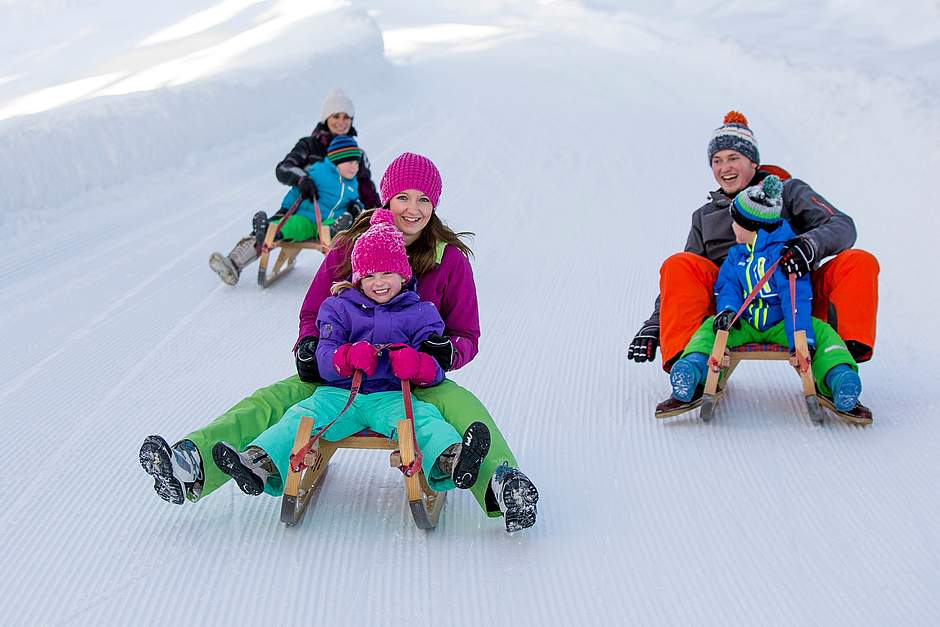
(440, 262)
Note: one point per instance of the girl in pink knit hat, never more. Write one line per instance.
(374, 324)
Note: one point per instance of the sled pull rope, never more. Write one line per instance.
(297, 459)
(803, 362)
(415, 465)
(290, 212)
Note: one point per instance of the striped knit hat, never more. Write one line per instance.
(759, 206)
(411, 171)
(343, 148)
(380, 249)
(734, 134)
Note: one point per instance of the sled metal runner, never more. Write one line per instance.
(425, 504)
(727, 360)
(289, 250)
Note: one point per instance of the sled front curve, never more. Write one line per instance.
(287, 256)
(425, 504)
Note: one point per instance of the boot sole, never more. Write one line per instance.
(154, 458)
(848, 395)
(228, 461)
(520, 497)
(474, 447)
(218, 264)
(683, 381)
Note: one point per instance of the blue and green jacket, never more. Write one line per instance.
(745, 265)
(334, 193)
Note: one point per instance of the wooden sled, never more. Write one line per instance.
(287, 255)
(426, 505)
(723, 362)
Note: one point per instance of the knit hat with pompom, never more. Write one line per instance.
(411, 171)
(759, 206)
(380, 249)
(734, 134)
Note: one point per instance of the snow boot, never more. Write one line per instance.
(174, 470)
(230, 267)
(846, 387)
(259, 228)
(687, 375)
(250, 469)
(516, 495)
(341, 224)
(462, 461)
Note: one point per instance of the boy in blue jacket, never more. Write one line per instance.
(761, 234)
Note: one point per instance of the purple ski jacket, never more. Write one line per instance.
(351, 317)
(449, 286)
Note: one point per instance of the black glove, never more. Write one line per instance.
(797, 256)
(643, 346)
(723, 320)
(440, 348)
(306, 357)
(307, 188)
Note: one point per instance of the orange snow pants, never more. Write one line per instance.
(848, 282)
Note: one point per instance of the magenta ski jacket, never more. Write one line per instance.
(449, 286)
(351, 317)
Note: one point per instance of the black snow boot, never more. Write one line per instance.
(341, 224)
(259, 228)
(174, 470)
(462, 461)
(250, 469)
(516, 495)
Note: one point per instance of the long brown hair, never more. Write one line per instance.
(422, 253)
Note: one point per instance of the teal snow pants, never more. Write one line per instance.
(830, 349)
(379, 411)
(251, 416)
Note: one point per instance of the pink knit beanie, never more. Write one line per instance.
(411, 171)
(380, 249)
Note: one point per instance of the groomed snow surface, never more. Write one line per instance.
(571, 137)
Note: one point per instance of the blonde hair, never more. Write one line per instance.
(341, 286)
(422, 253)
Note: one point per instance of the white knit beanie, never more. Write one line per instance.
(336, 102)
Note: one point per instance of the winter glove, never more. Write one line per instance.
(723, 320)
(440, 348)
(308, 189)
(410, 365)
(306, 357)
(363, 356)
(643, 346)
(797, 256)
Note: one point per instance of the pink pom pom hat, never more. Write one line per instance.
(381, 248)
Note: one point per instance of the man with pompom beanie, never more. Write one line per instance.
(845, 288)
(761, 234)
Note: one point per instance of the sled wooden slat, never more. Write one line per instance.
(287, 255)
(425, 504)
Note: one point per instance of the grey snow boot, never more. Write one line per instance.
(516, 495)
(230, 267)
(174, 469)
(462, 461)
(250, 469)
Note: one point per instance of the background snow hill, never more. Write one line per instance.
(571, 136)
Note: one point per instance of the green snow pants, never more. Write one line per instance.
(830, 349)
(251, 416)
(298, 228)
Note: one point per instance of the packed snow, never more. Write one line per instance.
(137, 139)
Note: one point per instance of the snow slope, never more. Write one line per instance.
(571, 137)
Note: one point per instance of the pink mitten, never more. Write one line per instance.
(404, 362)
(427, 370)
(362, 356)
(341, 361)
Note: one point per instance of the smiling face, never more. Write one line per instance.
(348, 169)
(412, 210)
(339, 123)
(732, 170)
(381, 287)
